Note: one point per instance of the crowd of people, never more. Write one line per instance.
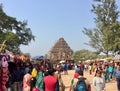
(19, 75)
(103, 72)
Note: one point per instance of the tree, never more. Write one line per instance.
(15, 32)
(104, 38)
(82, 55)
(95, 39)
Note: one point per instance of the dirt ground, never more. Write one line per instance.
(110, 86)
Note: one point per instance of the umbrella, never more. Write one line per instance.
(117, 57)
(88, 61)
(62, 61)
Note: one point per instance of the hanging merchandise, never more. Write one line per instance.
(4, 73)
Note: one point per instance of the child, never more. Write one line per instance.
(32, 85)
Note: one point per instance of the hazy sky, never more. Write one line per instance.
(50, 20)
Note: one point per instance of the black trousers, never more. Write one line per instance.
(118, 83)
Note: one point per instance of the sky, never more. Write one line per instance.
(50, 20)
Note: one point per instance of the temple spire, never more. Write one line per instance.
(60, 51)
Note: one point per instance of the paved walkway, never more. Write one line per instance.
(110, 86)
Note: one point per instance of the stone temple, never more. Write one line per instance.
(60, 51)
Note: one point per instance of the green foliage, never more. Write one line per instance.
(96, 38)
(105, 37)
(82, 55)
(15, 32)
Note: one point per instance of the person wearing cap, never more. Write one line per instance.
(75, 80)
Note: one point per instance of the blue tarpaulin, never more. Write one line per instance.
(38, 57)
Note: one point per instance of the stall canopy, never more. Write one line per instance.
(117, 57)
(38, 58)
(62, 61)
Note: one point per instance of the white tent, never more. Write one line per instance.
(62, 61)
(117, 57)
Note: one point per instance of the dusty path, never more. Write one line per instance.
(110, 86)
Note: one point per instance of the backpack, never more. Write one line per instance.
(81, 85)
